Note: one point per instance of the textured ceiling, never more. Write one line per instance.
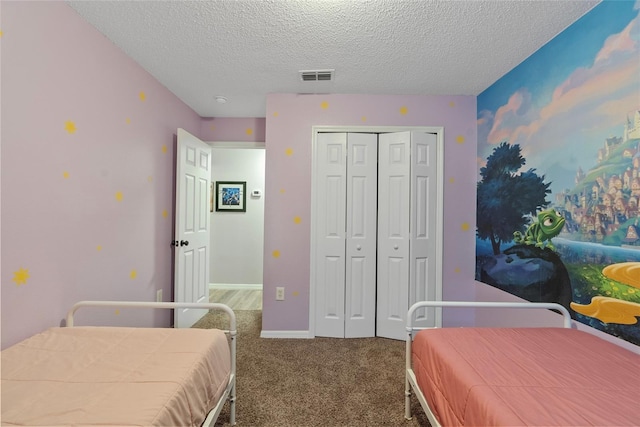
(245, 49)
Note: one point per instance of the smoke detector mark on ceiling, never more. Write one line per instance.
(317, 75)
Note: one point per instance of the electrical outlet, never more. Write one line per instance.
(159, 295)
(280, 293)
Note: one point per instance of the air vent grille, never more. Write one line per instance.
(316, 75)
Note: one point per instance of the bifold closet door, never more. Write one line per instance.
(406, 241)
(362, 192)
(394, 173)
(422, 251)
(346, 234)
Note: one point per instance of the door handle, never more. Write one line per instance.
(184, 243)
(174, 243)
(395, 247)
(358, 247)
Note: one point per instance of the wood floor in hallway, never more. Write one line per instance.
(237, 299)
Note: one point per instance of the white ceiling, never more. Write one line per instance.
(245, 49)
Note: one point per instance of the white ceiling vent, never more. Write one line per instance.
(316, 75)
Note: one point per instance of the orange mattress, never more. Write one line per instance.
(114, 376)
(526, 376)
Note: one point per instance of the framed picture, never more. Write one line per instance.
(231, 196)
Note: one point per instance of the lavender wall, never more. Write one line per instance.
(87, 172)
(233, 129)
(289, 124)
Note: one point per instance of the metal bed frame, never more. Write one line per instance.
(230, 391)
(410, 378)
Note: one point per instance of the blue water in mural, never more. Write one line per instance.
(594, 253)
(571, 251)
(576, 255)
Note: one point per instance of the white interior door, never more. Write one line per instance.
(192, 231)
(330, 231)
(360, 280)
(423, 213)
(394, 173)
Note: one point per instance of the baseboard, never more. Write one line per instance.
(237, 287)
(285, 334)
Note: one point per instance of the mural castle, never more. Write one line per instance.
(603, 206)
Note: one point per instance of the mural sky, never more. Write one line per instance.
(574, 105)
(562, 103)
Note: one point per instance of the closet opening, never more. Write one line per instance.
(376, 240)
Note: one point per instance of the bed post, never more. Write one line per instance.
(407, 386)
(232, 394)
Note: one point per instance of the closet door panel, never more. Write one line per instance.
(422, 284)
(361, 231)
(393, 233)
(330, 234)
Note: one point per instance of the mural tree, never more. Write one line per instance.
(506, 197)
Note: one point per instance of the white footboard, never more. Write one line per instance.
(410, 378)
(230, 392)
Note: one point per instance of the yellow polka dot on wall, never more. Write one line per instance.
(297, 219)
(21, 276)
(133, 274)
(275, 114)
(465, 226)
(1, 33)
(289, 151)
(119, 196)
(324, 105)
(249, 131)
(452, 104)
(128, 121)
(117, 311)
(452, 180)
(164, 149)
(460, 139)
(99, 248)
(70, 127)
(165, 213)
(457, 270)
(65, 174)
(363, 118)
(295, 293)
(275, 253)
(142, 96)
(404, 110)
(282, 191)
(150, 179)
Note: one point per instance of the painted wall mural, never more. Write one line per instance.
(558, 189)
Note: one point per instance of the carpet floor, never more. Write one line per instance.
(315, 382)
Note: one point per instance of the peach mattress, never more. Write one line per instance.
(114, 376)
(526, 376)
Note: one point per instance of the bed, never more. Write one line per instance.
(550, 376)
(78, 375)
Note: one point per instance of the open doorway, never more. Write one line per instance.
(237, 226)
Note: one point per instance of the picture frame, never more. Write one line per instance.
(211, 198)
(231, 196)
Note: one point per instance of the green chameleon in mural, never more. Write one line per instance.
(540, 233)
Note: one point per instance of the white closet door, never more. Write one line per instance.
(360, 295)
(422, 266)
(394, 174)
(330, 234)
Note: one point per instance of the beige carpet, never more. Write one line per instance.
(318, 382)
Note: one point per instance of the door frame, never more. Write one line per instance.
(439, 232)
(235, 145)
